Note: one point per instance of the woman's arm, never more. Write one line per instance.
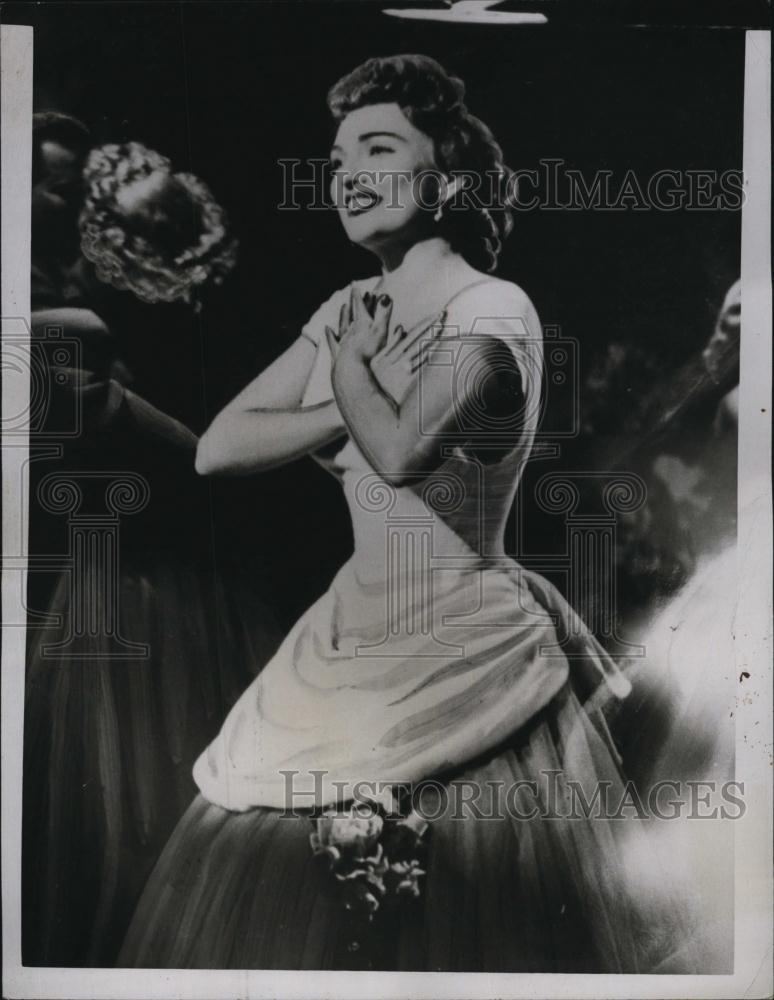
(266, 425)
(406, 442)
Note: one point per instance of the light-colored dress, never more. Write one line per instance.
(431, 657)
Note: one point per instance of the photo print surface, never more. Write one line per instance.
(379, 491)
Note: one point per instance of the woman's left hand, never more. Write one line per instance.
(361, 334)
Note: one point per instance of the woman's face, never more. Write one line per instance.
(375, 157)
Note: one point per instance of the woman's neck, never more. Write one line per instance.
(425, 264)
(429, 273)
(424, 255)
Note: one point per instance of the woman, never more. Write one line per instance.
(432, 658)
(132, 671)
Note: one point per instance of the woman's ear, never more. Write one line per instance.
(451, 187)
(448, 189)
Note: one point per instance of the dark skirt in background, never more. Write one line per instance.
(110, 740)
(109, 743)
(242, 890)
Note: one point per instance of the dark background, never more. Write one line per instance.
(226, 90)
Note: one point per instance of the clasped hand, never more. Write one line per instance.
(364, 336)
(364, 324)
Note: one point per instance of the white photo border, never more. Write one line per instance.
(753, 833)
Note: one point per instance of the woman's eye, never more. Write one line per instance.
(376, 150)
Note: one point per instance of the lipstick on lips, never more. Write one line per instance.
(361, 201)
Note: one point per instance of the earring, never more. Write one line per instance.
(451, 189)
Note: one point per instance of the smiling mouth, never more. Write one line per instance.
(361, 203)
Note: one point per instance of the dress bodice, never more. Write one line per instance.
(466, 498)
(430, 646)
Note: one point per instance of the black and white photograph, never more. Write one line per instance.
(387, 529)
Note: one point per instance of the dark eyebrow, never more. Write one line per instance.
(370, 135)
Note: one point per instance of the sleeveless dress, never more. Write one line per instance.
(435, 658)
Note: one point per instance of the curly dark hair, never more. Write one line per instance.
(464, 146)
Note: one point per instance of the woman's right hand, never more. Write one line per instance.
(269, 423)
(361, 333)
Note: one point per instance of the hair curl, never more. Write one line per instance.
(56, 126)
(434, 103)
(165, 245)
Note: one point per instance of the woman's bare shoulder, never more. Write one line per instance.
(491, 299)
(327, 313)
(496, 289)
(363, 284)
(342, 294)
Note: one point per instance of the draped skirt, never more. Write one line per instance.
(522, 874)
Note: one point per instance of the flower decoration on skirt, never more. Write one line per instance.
(375, 855)
(156, 233)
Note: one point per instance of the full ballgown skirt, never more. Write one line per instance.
(109, 742)
(237, 885)
(242, 890)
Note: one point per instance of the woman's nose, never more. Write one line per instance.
(343, 185)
